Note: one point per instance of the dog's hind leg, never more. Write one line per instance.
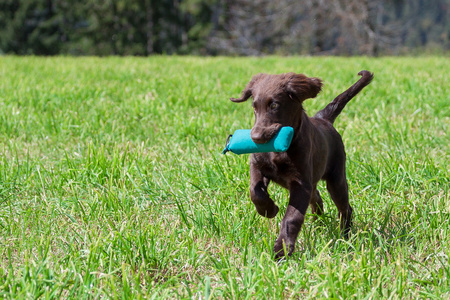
(316, 204)
(338, 189)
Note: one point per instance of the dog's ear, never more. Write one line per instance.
(247, 92)
(302, 87)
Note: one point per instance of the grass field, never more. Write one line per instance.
(113, 185)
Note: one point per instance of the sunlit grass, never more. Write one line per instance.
(112, 182)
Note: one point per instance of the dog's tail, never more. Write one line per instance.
(334, 108)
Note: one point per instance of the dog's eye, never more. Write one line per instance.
(274, 105)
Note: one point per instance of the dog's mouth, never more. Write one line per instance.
(262, 135)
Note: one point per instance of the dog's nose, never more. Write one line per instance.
(258, 136)
(263, 134)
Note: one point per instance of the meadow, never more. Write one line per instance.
(113, 184)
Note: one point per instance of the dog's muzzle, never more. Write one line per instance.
(263, 134)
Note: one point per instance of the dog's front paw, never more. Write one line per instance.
(268, 212)
(272, 213)
(279, 250)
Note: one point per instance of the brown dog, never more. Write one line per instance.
(316, 152)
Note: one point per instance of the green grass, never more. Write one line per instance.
(113, 185)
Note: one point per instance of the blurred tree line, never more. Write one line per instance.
(224, 27)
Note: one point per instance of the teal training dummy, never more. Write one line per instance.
(241, 142)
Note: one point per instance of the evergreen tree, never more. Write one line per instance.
(29, 27)
(244, 27)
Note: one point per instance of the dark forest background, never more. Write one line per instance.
(224, 27)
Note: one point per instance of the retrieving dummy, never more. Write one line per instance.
(241, 143)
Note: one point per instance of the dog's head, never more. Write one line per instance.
(277, 101)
